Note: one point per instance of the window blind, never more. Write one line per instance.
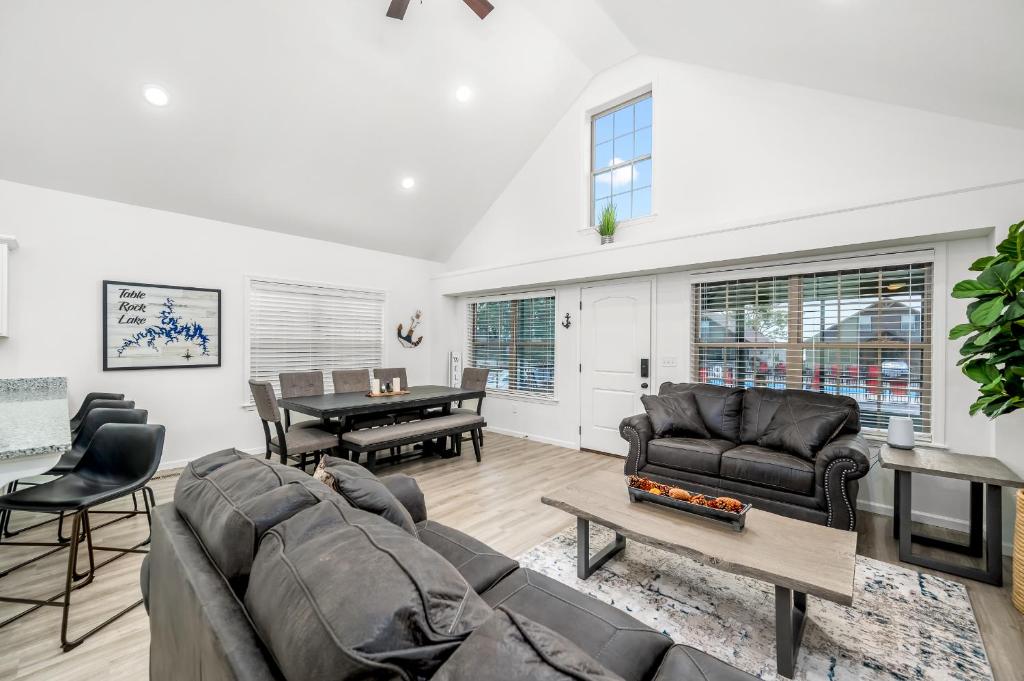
(865, 333)
(515, 338)
(302, 327)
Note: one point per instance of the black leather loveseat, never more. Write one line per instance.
(818, 486)
(259, 572)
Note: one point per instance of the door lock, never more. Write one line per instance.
(644, 368)
(644, 386)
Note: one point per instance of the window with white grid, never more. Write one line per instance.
(865, 333)
(620, 165)
(294, 326)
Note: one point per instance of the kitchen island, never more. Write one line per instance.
(34, 426)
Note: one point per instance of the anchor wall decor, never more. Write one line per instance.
(406, 339)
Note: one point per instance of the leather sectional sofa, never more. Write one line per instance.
(258, 572)
(820, 488)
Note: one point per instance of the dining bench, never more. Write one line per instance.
(374, 440)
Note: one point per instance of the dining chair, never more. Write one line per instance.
(121, 459)
(390, 374)
(92, 422)
(300, 384)
(296, 444)
(76, 420)
(472, 379)
(351, 380)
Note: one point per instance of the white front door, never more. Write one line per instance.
(615, 326)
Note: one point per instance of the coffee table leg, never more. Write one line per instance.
(586, 564)
(790, 614)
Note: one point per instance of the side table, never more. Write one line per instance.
(986, 474)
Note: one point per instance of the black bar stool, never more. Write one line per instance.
(121, 459)
(76, 420)
(94, 418)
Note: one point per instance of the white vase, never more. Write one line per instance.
(901, 432)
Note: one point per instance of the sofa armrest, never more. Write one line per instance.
(637, 431)
(837, 468)
(407, 491)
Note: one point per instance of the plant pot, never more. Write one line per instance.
(607, 239)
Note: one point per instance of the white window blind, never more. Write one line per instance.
(302, 327)
(865, 333)
(514, 337)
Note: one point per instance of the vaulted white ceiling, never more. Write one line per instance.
(303, 116)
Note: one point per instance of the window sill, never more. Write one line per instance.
(880, 438)
(523, 398)
(625, 223)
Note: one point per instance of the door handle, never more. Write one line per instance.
(644, 386)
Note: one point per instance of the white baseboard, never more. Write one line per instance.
(534, 438)
(935, 519)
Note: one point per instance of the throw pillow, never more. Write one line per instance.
(674, 414)
(339, 593)
(802, 427)
(362, 489)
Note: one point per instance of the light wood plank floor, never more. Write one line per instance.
(497, 501)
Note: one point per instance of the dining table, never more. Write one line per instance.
(34, 426)
(343, 406)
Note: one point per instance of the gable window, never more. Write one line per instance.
(865, 333)
(620, 167)
(295, 326)
(514, 337)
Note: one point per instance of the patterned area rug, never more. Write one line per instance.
(903, 625)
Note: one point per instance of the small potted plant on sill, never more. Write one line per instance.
(606, 228)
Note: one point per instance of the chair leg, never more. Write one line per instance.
(475, 435)
(457, 441)
(371, 461)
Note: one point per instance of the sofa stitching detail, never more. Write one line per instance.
(580, 607)
(463, 546)
(634, 442)
(695, 664)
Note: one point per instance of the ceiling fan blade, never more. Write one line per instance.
(481, 7)
(397, 9)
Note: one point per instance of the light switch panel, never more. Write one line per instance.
(669, 361)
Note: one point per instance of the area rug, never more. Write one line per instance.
(903, 625)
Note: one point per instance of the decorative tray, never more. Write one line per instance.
(712, 508)
(390, 394)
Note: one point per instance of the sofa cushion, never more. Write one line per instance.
(769, 468)
(510, 647)
(230, 499)
(688, 454)
(362, 489)
(803, 427)
(720, 406)
(760, 405)
(683, 663)
(339, 593)
(613, 638)
(674, 414)
(478, 563)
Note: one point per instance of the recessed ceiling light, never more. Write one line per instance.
(408, 182)
(463, 94)
(155, 95)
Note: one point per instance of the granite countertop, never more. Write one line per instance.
(33, 417)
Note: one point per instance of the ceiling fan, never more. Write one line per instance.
(482, 8)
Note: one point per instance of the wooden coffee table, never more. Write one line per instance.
(797, 557)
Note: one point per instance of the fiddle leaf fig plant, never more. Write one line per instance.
(993, 352)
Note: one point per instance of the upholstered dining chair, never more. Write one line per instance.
(473, 379)
(388, 375)
(300, 384)
(121, 459)
(351, 380)
(296, 444)
(76, 420)
(358, 381)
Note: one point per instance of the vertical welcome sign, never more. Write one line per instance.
(152, 326)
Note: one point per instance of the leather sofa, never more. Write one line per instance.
(258, 571)
(821, 489)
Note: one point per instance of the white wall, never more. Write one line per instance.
(745, 171)
(70, 243)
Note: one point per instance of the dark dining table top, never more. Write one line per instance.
(348, 404)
